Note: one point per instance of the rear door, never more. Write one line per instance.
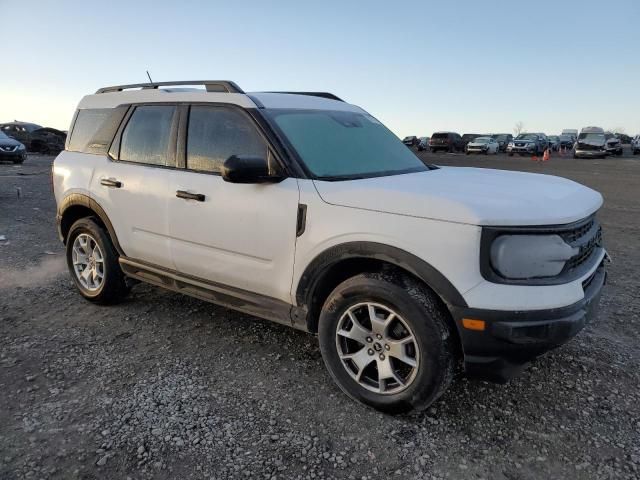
(238, 235)
(132, 185)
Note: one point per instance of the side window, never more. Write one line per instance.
(146, 137)
(86, 125)
(216, 133)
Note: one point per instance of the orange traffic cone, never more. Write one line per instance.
(534, 157)
(546, 155)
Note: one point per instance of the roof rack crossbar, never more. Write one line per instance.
(223, 86)
(328, 95)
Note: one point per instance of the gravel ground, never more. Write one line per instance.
(165, 386)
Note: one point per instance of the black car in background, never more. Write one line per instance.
(11, 150)
(446, 141)
(566, 141)
(503, 140)
(35, 137)
(411, 141)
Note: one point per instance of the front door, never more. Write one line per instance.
(237, 235)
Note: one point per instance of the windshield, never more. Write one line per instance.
(591, 137)
(3, 136)
(337, 145)
(482, 140)
(526, 136)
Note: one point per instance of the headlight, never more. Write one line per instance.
(530, 256)
(530, 144)
(20, 147)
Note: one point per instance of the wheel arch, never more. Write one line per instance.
(76, 206)
(340, 262)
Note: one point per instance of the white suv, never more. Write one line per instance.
(305, 210)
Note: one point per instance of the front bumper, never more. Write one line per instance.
(13, 156)
(511, 340)
(589, 153)
(515, 149)
(477, 150)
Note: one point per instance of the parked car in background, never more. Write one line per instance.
(554, 142)
(11, 149)
(446, 141)
(527, 143)
(35, 137)
(566, 141)
(591, 143)
(410, 141)
(467, 137)
(613, 145)
(423, 144)
(573, 133)
(484, 145)
(635, 145)
(21, 131)
(503, 140)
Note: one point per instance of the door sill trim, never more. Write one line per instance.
(244, 301)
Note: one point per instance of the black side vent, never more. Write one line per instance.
(301, 224)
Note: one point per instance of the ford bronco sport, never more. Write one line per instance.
(303, 209)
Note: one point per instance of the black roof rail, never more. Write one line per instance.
(224, 86)
(328, 95)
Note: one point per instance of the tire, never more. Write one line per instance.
(510, 154)
(468, 152)
(112, 287)
(432, 342)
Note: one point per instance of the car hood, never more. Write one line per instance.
(9, 142)
(473, 196)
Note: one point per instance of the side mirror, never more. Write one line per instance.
(248, 169)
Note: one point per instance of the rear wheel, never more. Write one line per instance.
(93, 263)
(385, 340)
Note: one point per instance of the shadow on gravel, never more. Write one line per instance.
(46, 270)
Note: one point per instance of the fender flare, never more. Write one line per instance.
(378, 251)
(82, 200)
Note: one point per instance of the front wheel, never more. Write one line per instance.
(385, 341)
(93, 263)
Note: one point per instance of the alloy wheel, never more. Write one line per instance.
(88, 262)
(377, 348)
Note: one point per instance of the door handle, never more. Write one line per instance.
(107, 182)
(190, 196)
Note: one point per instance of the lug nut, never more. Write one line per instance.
(379, 337)
(387, 347)
(370, 352)
(382, 356)
(369, 339)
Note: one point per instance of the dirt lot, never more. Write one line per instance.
(165, 386)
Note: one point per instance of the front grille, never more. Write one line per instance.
(587, 237)
(588, 147)
(9, 148)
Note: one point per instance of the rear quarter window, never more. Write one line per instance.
(87, 124)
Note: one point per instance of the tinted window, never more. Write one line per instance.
(216, 133)
(87, 124)
(440, 135)
(146, 137)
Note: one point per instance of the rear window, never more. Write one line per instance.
(87, 123)
(145, 139)
(440, 135)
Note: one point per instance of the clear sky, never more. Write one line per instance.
(468, 66)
